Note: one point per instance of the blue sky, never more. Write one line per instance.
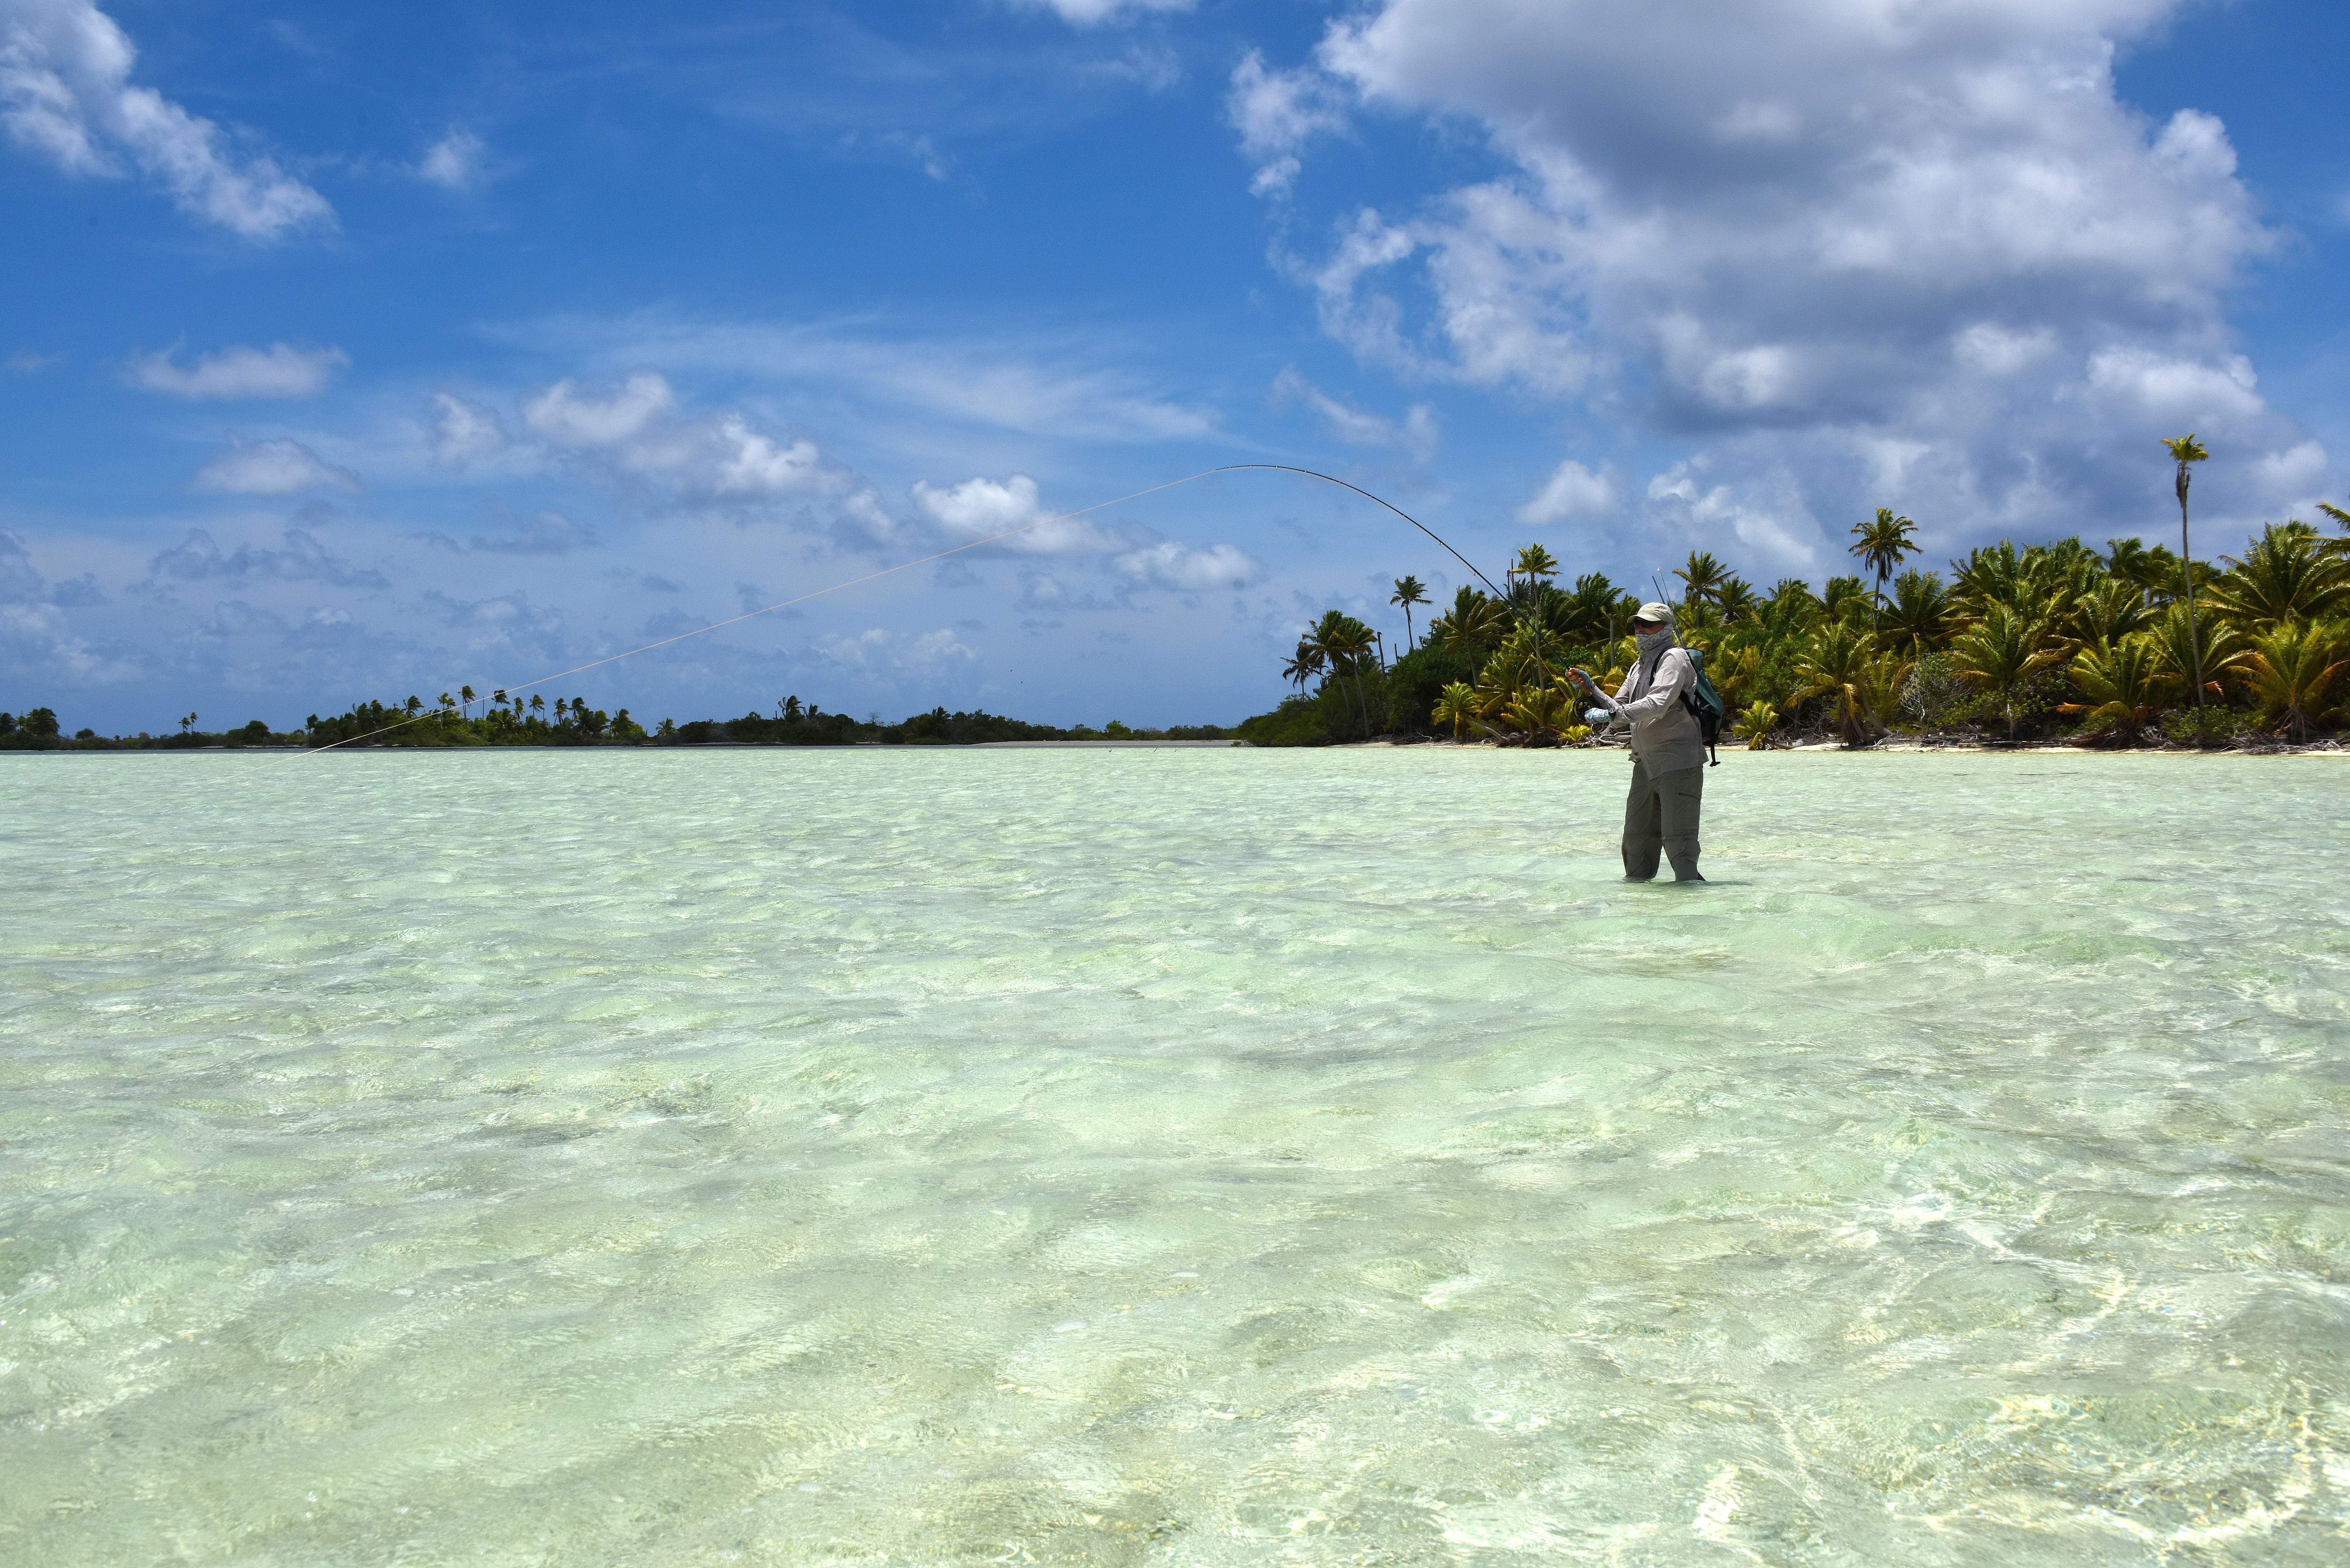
(356, 352)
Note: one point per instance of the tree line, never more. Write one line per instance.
(512, 720)
(2127, 646)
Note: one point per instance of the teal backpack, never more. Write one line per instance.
(1705, 705)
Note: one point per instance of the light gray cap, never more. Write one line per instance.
(1655, 611)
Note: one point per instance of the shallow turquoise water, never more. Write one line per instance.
(1150, 1156)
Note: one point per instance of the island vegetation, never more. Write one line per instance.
(2133, 645)
(514, 720)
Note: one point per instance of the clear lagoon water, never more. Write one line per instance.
(1170, 1157)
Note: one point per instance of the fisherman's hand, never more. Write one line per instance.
(1598, 716)
(1580, 676)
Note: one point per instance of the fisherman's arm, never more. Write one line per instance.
(1673, 677)
(1591, 692)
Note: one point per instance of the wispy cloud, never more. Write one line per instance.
(1041, 385)
(302, 558)
(1416, 432)
(453, 162)
(277, 371)
(280, 466)
(546, 533)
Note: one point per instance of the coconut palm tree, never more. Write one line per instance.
(1305, 664)
(2109, 611)
(1342, 641)
(2292, 668)
(1881, 544)
(2005, 649)
(1456, 706)
(1755, 725)
(1919, 611)
(1791, 607)
(2337, 546)
(1409, 591)
(1834, 663)
(1536, 565)
(1701, 577)
(1735, 597)
(2222, 650)
(1474, 625)
(2286, 574)
(1844, 597)
(466, 708)
(2151, 567)
(2185, 449)
(2126, 684)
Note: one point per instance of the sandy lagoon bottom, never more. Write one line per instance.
(1170, 1157)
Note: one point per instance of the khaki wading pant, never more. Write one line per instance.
(1660, 815)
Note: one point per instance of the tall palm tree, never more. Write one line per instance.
(2292, 668)
(1881, 544)
(1342, 641)
(2005, 649)
(1701, 577)
(1304, 665)
(1409, 591)
(466, 710)
(2185, 449)
(1534, 564)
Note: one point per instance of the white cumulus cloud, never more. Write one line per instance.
(1571, 491)
(65, 95)
(638, 427)
(279, 371)
(1277, 113)
(982, 508)
(570, 417)
(1799, 238)
(276, 467)
(1168, 564)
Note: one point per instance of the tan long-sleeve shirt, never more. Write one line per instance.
(1665, 735)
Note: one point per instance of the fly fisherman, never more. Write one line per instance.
(1668, 749)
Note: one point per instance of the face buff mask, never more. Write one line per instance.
(1653, 643)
